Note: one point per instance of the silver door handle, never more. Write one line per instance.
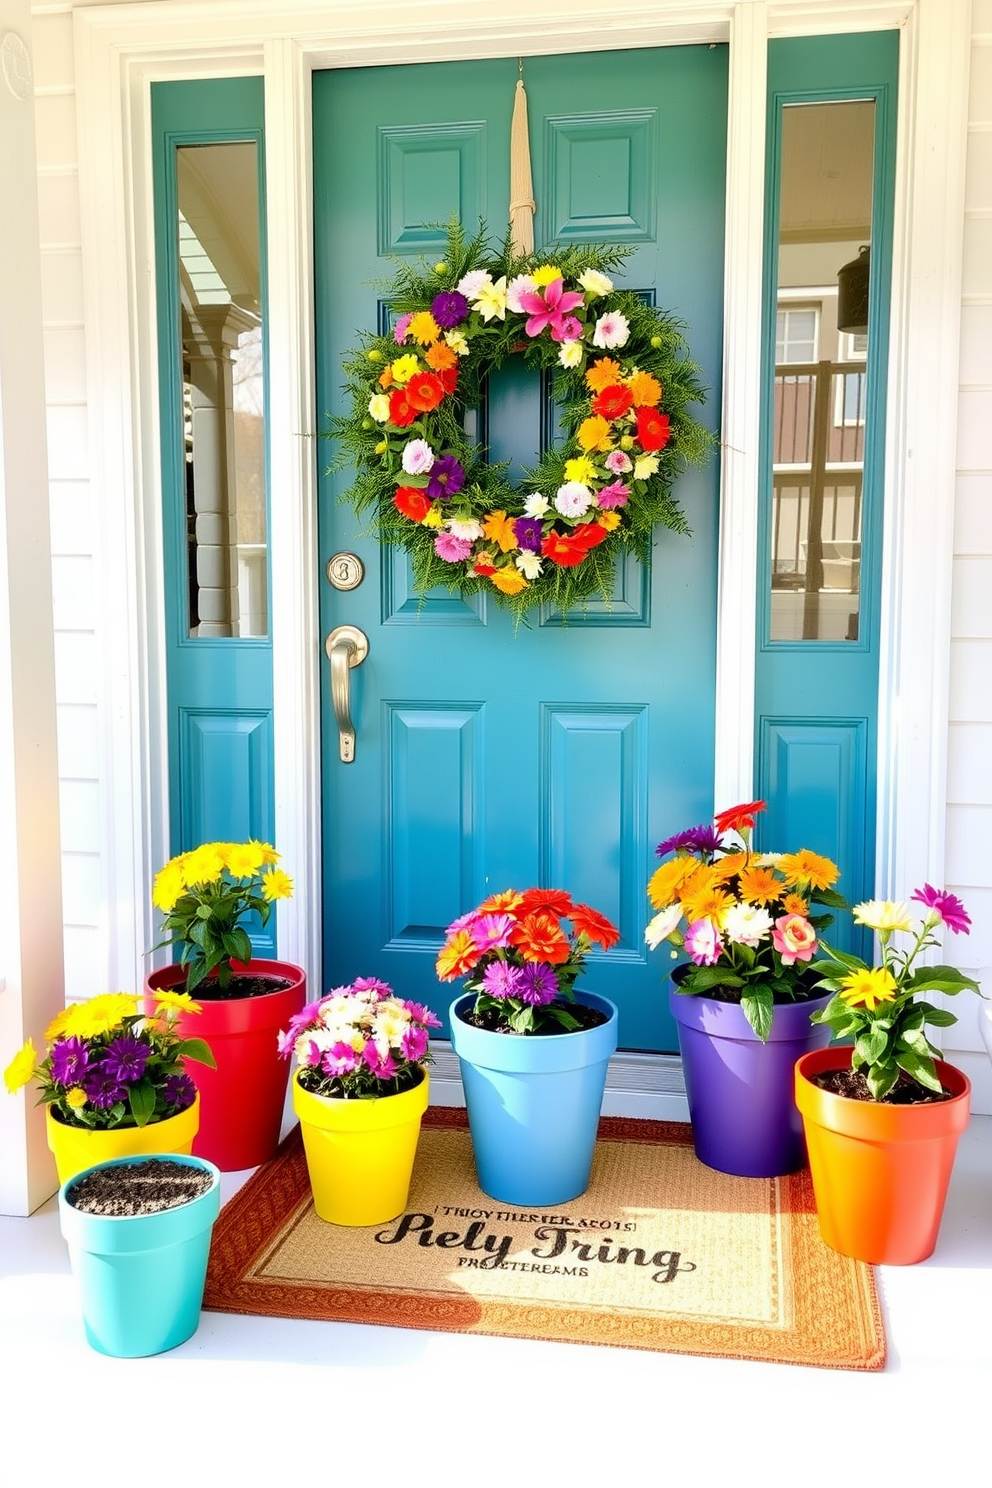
(346, 647)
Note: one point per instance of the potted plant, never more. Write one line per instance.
(113, 1079)
(206, 895)
(533, 1051)
(360, 1090)
(884, 1113)
(744, 1001)
(138, 1232)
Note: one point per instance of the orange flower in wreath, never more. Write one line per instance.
(401, 410)
(613, 402)
(412, 503)
(425, 391)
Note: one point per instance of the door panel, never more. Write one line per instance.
(556, 753)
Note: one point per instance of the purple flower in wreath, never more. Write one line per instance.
(446, 478)
(179, 1092)
(70, 1059)
(449, 309)
(529, 532)
(125, 1059)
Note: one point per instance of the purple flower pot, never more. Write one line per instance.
(741, 1091)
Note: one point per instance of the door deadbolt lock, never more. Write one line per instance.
(345, 571)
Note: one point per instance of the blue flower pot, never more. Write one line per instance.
(533, 1104)
(141, 1277)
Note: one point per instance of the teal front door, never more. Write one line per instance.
(557, 754)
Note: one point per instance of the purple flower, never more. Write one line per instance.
(70, 1059)
(179, 1092)
(103, 1089)
(502, 980)
(615, 494)
(446, 478)
(947, 907)
(529, 532)
(540, 985)
(125, 1058)
(449, 308)
(702, 839)
(569, 330)
(451, 548)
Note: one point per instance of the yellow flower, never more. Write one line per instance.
(21, 1068)
(546, 274)
(204, 864)
(100, 1014)
(57, 1026)
(610, 520)
(423, 328)
(759, 885)
(808, 868)
(379, 408)
(509, 580)
(181, 1000)
(277, 885)
(404, 367)
(883, 914)
(646, 390)
(498, 527)
(244, 859)
(433, 517)
(580, 469)
(458, 342)
(594, 433)
(602, 374)
(795, 904)
(727, 867)
(707, 902)
(168, 886)
(76, 1098)
(667, 882)
(491, 300)
(645, 466)
(868, 988)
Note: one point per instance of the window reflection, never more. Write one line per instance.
(223, 389)
(820, 374)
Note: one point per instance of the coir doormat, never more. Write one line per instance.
(661, 1252)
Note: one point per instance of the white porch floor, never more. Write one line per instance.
(265, 1401)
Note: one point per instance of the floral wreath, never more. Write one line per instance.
(623, 379)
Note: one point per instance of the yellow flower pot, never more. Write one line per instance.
(77, 1147)
(360, 1152)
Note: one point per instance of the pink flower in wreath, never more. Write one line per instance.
(794, 938)
(451, 548)
(618, 462)
(546, 311)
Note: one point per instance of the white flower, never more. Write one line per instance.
(470, 284)
(466, 527)
(536, 506)
(490, 299)
(766, 860)
(746, 924)
(594, 283)
(573, 499)
(645, 466)
(522, 284)
(458, 342)
(379, 408)
(418, 457)
(661, 927)
(612, 330)
(571, 353)
(529, 564)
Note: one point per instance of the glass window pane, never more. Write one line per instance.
(820, 372)
(223, 389)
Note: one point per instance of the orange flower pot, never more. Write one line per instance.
(880, 1172)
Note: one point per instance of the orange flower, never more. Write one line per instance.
(653, 428)
(508, 580)
(590, 922)
(425, 391)
(498, 527)
(645, 389)
(386, 377)
(760, 886)
(401, 409)
(707, 902)
(484, 565)
(609, 521)
(602, 374)
(592, 534)
(795, 904)
(412, 503)
(594, 434)
(457, 956)
(549, 901)
(668, 881)
(727, 867)
(567, 552)
(809, 868)
(539, 937)
(505, 902)
(440, 356)
(613, 401)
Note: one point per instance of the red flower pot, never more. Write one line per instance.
(880, 1172)
(242, 1100)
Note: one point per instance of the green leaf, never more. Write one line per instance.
(522, 1021)
(919, 1068)
(872, 1044)
(141, 1098)
(830, 898)
(937, 1017)
(881, 1079)
(757, 1007)
(196, 1048)
(705, 977)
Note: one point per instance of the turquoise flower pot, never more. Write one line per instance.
(533, 1104)
(141, 1277)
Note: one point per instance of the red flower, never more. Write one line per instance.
(425, 391)
(591, 535)
(449, 378)
(567, 551)
(401, 410)
(596, 926)
(653, 428)
(738, 818)
(553, 901)
(484, 565)
(412, 503)
(613, 402)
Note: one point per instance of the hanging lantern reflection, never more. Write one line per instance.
(852, 294)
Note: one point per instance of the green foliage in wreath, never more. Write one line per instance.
(624, 381)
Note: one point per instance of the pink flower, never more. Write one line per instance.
(569, 330)
(381, 1065)
(947, 907)
(491, 930)
(618, 463)
(522, 284)
(414, 1044)
(452, 549)
(615, 494)
(401, 327)
(341, 1060)
(794, 938)
(546, 310)
(703, 942)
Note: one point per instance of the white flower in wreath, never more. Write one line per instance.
(418, 457)
(458, 342)
(573, 499)
(522, 284)
(379, 408)
(529, 564)
(536, 506)
(645, 466)
(470, 284)
(612, 330)
(466, 527)
(571, 353)
(491, 300)
(594, 283)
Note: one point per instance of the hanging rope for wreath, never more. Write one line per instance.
(622, 376)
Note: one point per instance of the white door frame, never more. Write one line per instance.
(121, 49)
